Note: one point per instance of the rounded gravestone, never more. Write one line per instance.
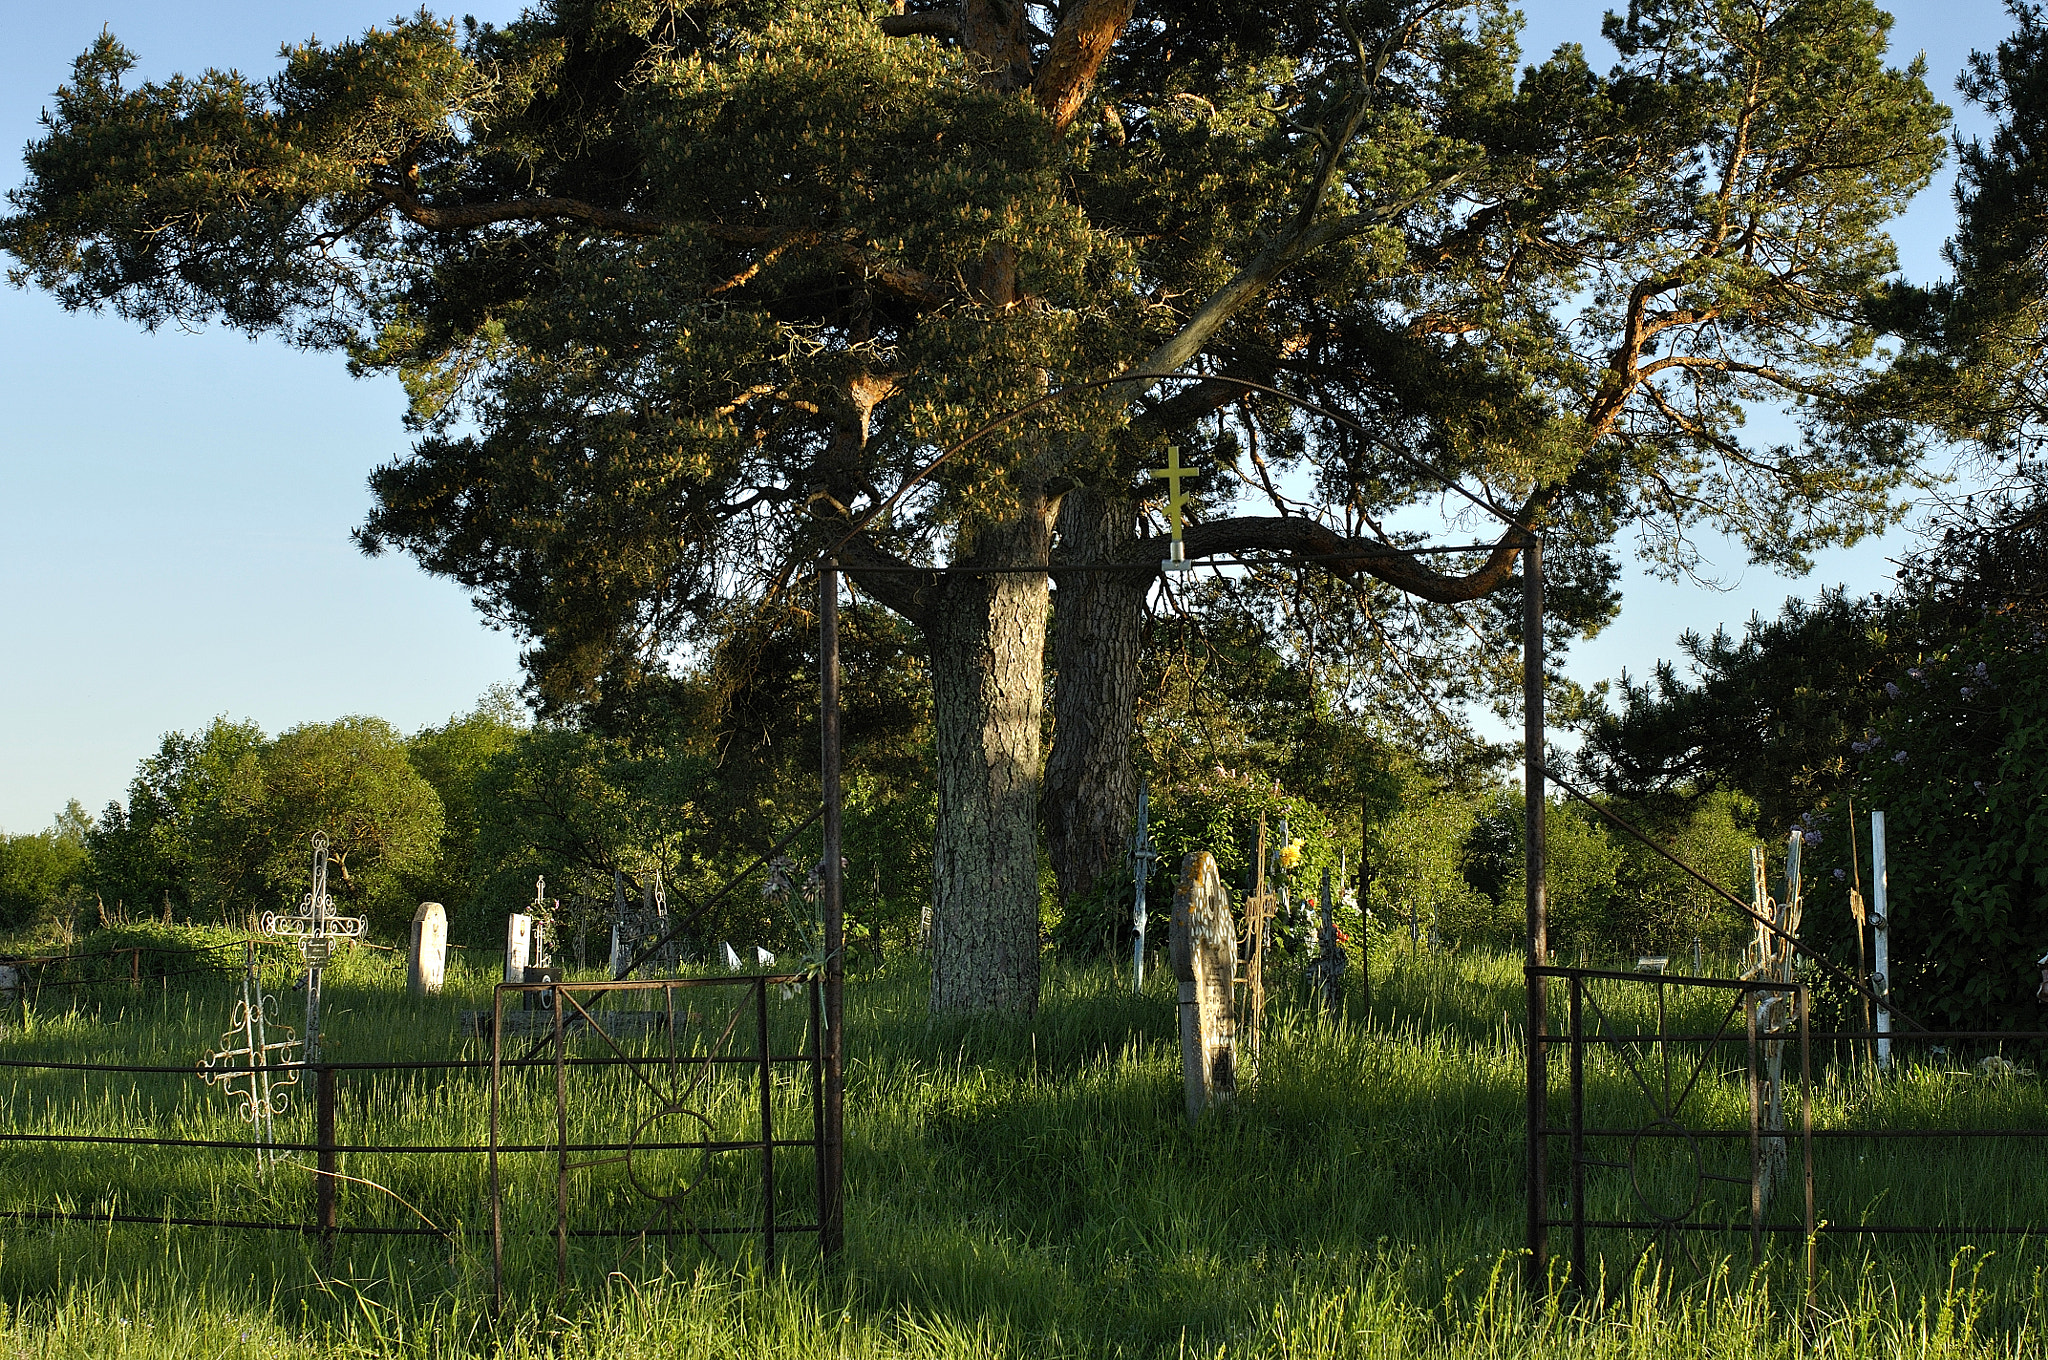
(1204, 946)
(427, 954)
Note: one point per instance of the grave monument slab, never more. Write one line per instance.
(1204, 947)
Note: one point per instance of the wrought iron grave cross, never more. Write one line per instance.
(1142, 857)
(253, 1066)
(316, 928)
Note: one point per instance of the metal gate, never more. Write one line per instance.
(1687, 1122)
(690, 1139)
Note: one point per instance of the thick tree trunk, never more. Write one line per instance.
(1091, 787)
(986, 636)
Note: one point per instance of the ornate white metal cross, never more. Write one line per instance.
(316, 928)
(254, 1067)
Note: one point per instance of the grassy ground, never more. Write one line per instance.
(1014, 1189)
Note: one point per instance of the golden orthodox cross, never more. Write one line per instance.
(1172, 474)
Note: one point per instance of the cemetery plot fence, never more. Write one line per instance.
(1664, 1151)
(695, 1105)
(25, 977)
(598, 1093)
(1702, 1113)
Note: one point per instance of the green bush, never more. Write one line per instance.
(38, 871)
(1959, 765)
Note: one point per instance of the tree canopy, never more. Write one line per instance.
(684, 294)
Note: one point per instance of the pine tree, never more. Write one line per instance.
(681, 292)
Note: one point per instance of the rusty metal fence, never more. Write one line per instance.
(1687, 1120)
(613, 1088)
(1668, 1154)
(673, 1082)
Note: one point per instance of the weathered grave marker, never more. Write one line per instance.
(518, 945)
(541, 972)
(732, 958)
(316, 928)
(543, 913)
(427, 952)
(1204, 946)
(622, 953)
(762, 958)
(1258, 916)
(654, 921)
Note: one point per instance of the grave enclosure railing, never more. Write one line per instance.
(674, 1080)
(340, 1086)
(123, 967)
(1678, 1075)
(1817, 1176)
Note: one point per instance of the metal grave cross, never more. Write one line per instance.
(1172, 474)
(1142, 857)
(316, 928)
(253, 1066)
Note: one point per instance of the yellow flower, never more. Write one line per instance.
(1290, 854)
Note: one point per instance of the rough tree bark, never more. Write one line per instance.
(987, 641)
(1090, 782)
(986, 634)
(986, 638)
(1091, 789)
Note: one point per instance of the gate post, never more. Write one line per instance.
(1536, 906)
(326, 1165)
(832, 1209)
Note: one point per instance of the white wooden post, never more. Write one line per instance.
(1881, 922)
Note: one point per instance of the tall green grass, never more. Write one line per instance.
(1025, 1188)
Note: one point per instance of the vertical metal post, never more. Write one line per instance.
(1331, 980)
(1860, 918)
(1536, 908)
(497, 1188)
(767, 1124)
(832, 1209)
(1365, 913)
(1756, 1130)
(1881, 922)
(554, 995)
(1142, 858)
(325, 1167)
(1578, 1042)
(1806, 1139)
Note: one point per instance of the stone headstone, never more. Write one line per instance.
(762, 958)
(427, 953)
(518, 946)
(1204, 947)
(732, 958)
(10, 982)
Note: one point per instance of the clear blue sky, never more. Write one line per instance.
(176, 507)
